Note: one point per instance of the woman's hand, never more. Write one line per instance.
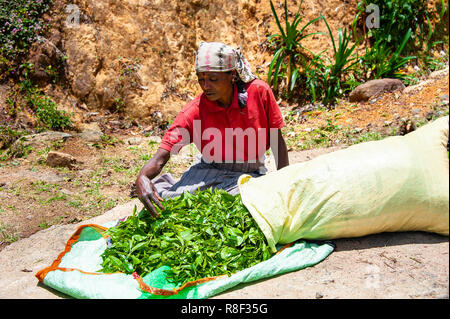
(146, 190)
(148, 195)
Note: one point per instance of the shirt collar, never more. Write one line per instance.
(213, 106)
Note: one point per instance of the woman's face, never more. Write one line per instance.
(217, 86)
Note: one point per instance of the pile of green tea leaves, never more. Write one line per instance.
(209, 233)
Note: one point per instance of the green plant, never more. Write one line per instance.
(312, 76)
(289, 50)
(428, 30)
(209, 233)
(436, 36)
(344, 60)
(8, 135)
(432, 34)
(109, 140)
(44, 225)
(20, 24)
(381, 62)
(118, 105)
(47, 113)
(328, 80)
(6, 236)
(396, 17)
(17, 150)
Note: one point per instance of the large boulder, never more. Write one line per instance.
(373, 88)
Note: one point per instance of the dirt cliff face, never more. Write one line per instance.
(137, 56)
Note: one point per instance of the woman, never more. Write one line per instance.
(233, 122)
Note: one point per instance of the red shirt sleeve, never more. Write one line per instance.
(180, 132)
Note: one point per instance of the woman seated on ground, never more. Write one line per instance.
(233, 123)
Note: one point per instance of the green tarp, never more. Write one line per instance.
(74, 272)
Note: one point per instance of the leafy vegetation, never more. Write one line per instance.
(8, 135)
(334, 73)
(398, 17)
(322, 79)
(210, 233)
(404, 27)
(46, 111)
(380, 62)
(20, 24)
(289, 47)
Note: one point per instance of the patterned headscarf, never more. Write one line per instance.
(219, 57)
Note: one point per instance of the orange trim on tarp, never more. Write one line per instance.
(40, 275)
(174, 291)
(284, 247)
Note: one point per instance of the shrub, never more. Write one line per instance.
(380, 62)
(289, 50)
(396, 18)
(49, 117)
(47, 113)
(335, 72)
(20, 24)
(321, 78)
(404, 27)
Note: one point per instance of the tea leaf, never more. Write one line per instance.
(206, 234)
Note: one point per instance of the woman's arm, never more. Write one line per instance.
(279, 149)
(146, 191)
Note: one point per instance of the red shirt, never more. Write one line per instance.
(227, 134)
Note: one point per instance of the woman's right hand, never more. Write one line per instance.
(148, 195)
(146, 190)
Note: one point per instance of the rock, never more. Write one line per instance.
(91, 136)
(436, 75)
(154, 139)
(90, 114)
(406, 126)
(83, 60)
(59, 159)
(418, 87)
(42, 138)
(91, 132)
(116, 123)
(134, 140)
(372, 88)
(66, 191)
(45, 53)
